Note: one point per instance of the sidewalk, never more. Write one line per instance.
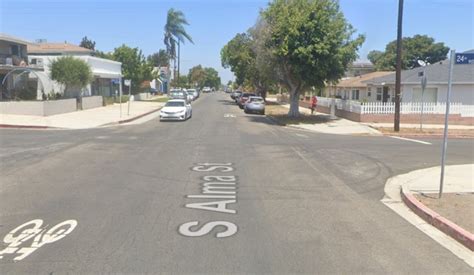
(91, 118)
(453, 213)
(417, 126)
(339, 126)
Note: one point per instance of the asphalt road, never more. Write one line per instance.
(114, 200)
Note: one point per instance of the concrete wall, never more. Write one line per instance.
(142, 96)
(90, 102)
(38, 108)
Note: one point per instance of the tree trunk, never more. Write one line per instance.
(294, 102)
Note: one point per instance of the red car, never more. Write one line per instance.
(243, 98)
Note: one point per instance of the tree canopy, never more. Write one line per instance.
(87, 43)
(297, 43)
(418, 47)
(175, 31)
(201, 77)
(70, 72)
(159, 59)
(134, 65)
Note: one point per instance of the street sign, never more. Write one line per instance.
(126, 82)
(464, 58)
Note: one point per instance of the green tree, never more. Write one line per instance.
(134, 66)
(418, 47)
(87, 43)
(311, 42)
(238, 56)
(175, 33)
(212, 78)
(197, 76)
(159, 59)
(70, 72)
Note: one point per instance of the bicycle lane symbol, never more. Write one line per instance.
(32, 230)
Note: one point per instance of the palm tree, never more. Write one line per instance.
(175, 34)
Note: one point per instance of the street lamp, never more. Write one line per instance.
(423, 87)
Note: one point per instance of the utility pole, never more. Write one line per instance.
(179, 60)
(396, 122)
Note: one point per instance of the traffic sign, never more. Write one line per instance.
(126, 82)
(464, 58)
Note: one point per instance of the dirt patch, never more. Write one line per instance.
(456, 207)
(280, 114)
(467, 133)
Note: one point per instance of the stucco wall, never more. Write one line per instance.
(90, 102)
(38, 108)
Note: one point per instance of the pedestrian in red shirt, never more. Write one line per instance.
(314, 101)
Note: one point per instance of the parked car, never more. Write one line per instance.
(243, 98)
(194, 92)
(177, 94)
(235, 94)
(206, 90)
(255, 104)
(189, 96)
(176, 109)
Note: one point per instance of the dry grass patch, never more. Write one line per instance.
(280, 114)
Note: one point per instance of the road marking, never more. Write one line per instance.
(101, 137)
(219, 192)
(229, 115)
(32, 230)
(300, 135)
(412, 140)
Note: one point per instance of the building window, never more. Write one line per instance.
(355, 94)
(369, 94)
(379, 94)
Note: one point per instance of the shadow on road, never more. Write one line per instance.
(227, 102)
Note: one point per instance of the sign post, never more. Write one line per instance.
(128, 83)
(446, 117)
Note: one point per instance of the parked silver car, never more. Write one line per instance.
(255, 104)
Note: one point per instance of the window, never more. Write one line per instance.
(379, 94)
(355, 94)
(369, 94)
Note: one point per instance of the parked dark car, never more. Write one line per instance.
(243, 98)
(235, 94)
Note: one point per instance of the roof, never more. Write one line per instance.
(437, 73)
(355, 82)
(9, 38)
(55, 48)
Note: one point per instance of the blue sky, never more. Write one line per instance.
(214, 22)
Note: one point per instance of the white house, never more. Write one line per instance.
(383, 88)
(107, 73)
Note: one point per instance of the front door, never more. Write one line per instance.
(385, 94)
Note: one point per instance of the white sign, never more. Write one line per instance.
(32, 230)
(127, 82)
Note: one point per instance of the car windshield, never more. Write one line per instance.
(174, 104)
(256, 100)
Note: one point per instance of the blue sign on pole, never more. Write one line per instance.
(464, 58)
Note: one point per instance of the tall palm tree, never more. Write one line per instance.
(175, 34)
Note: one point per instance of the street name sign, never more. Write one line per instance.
(464, 58)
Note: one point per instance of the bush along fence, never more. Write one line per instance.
(383, 112)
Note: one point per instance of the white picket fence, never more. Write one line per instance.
(405, 107)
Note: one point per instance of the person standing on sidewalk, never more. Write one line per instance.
(314, 101)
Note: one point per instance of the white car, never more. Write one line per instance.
(176, 109)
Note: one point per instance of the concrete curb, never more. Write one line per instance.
(13, 126)
(448, 227)
(139, 116)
